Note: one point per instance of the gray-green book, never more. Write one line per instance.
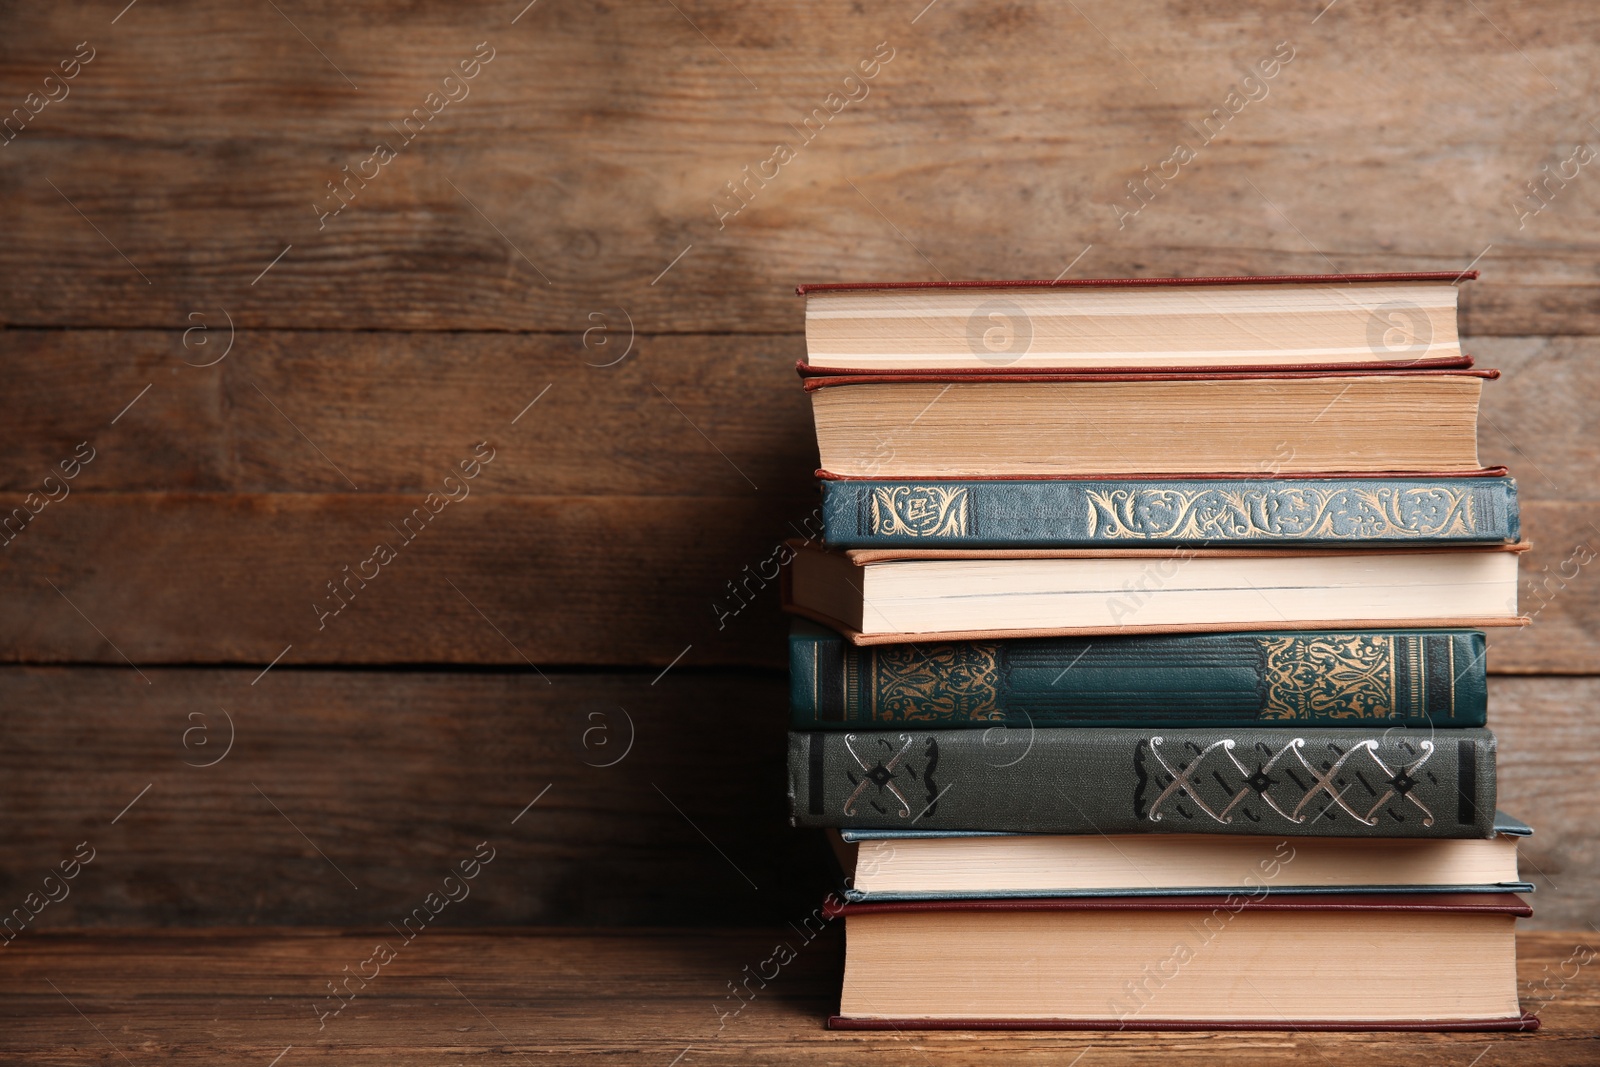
(1315, 782)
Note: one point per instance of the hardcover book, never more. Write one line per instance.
(1314, 782)
(1074, 513)
(915, 426)
(922, 865)
(894, 596)
(1274, 678)
(1253, 961)
(1308, 321)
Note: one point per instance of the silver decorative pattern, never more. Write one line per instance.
(1189, 781)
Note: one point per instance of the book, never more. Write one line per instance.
(954, 426)
(883, 596)
(922, 865)
(1314, 782)
(1270, 678)
(1169, 323)
(1083, 513)
(1444, 961)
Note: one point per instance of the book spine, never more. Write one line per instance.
(1416, 783)
(1085, 514)
(1281, 679)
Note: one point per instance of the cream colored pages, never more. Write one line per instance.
(915, 429)
(917, 596)
(1168, 327)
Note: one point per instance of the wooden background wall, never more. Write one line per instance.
(564, 216)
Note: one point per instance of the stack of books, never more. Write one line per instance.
(1140, 681)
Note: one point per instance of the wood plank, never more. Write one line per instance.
(1559, 592)
(1538, 418)
(393, 410)
(353, 794)
(589, 154)
(209, 578)
(395, 776)
(287, 411)
(1544, 727)
(184, 577)
(224, 997)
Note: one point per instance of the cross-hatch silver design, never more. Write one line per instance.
(882, 780)
(1185, 781)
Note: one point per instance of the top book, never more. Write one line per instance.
(1304, 322)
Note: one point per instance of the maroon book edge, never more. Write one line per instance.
(1483, 903)
(1461, 362)
(1262, 476)
(813, 382)
(1525, 1021)
(1139, 283)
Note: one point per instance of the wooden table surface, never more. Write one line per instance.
(647, 997)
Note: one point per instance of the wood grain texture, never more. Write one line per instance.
(350, 795)
(997, 142)
(630, 997)
(287, 411)
(207, 578)
(1540, 416)
(1559, 591)
(397, 775)
(1547, 729)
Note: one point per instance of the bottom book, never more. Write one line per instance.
(1443, 961)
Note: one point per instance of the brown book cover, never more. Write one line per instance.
(817, 381)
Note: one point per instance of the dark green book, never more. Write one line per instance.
(1315, 782)
(1289, 679)
(1073, 513)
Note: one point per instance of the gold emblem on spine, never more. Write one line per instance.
(935, 683)
(1343, 676)
(919, 510)
(1298, 512)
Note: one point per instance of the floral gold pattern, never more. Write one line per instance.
(1300, 512)
(919, 510)
(935, 683)
(1343, 676)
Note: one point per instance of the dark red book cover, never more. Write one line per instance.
(1449, 276)
(817, 381)
(1477, 903)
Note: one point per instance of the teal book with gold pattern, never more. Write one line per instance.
(1374, 678)
(1071, 513)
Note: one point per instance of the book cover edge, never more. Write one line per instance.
(1140, 283)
